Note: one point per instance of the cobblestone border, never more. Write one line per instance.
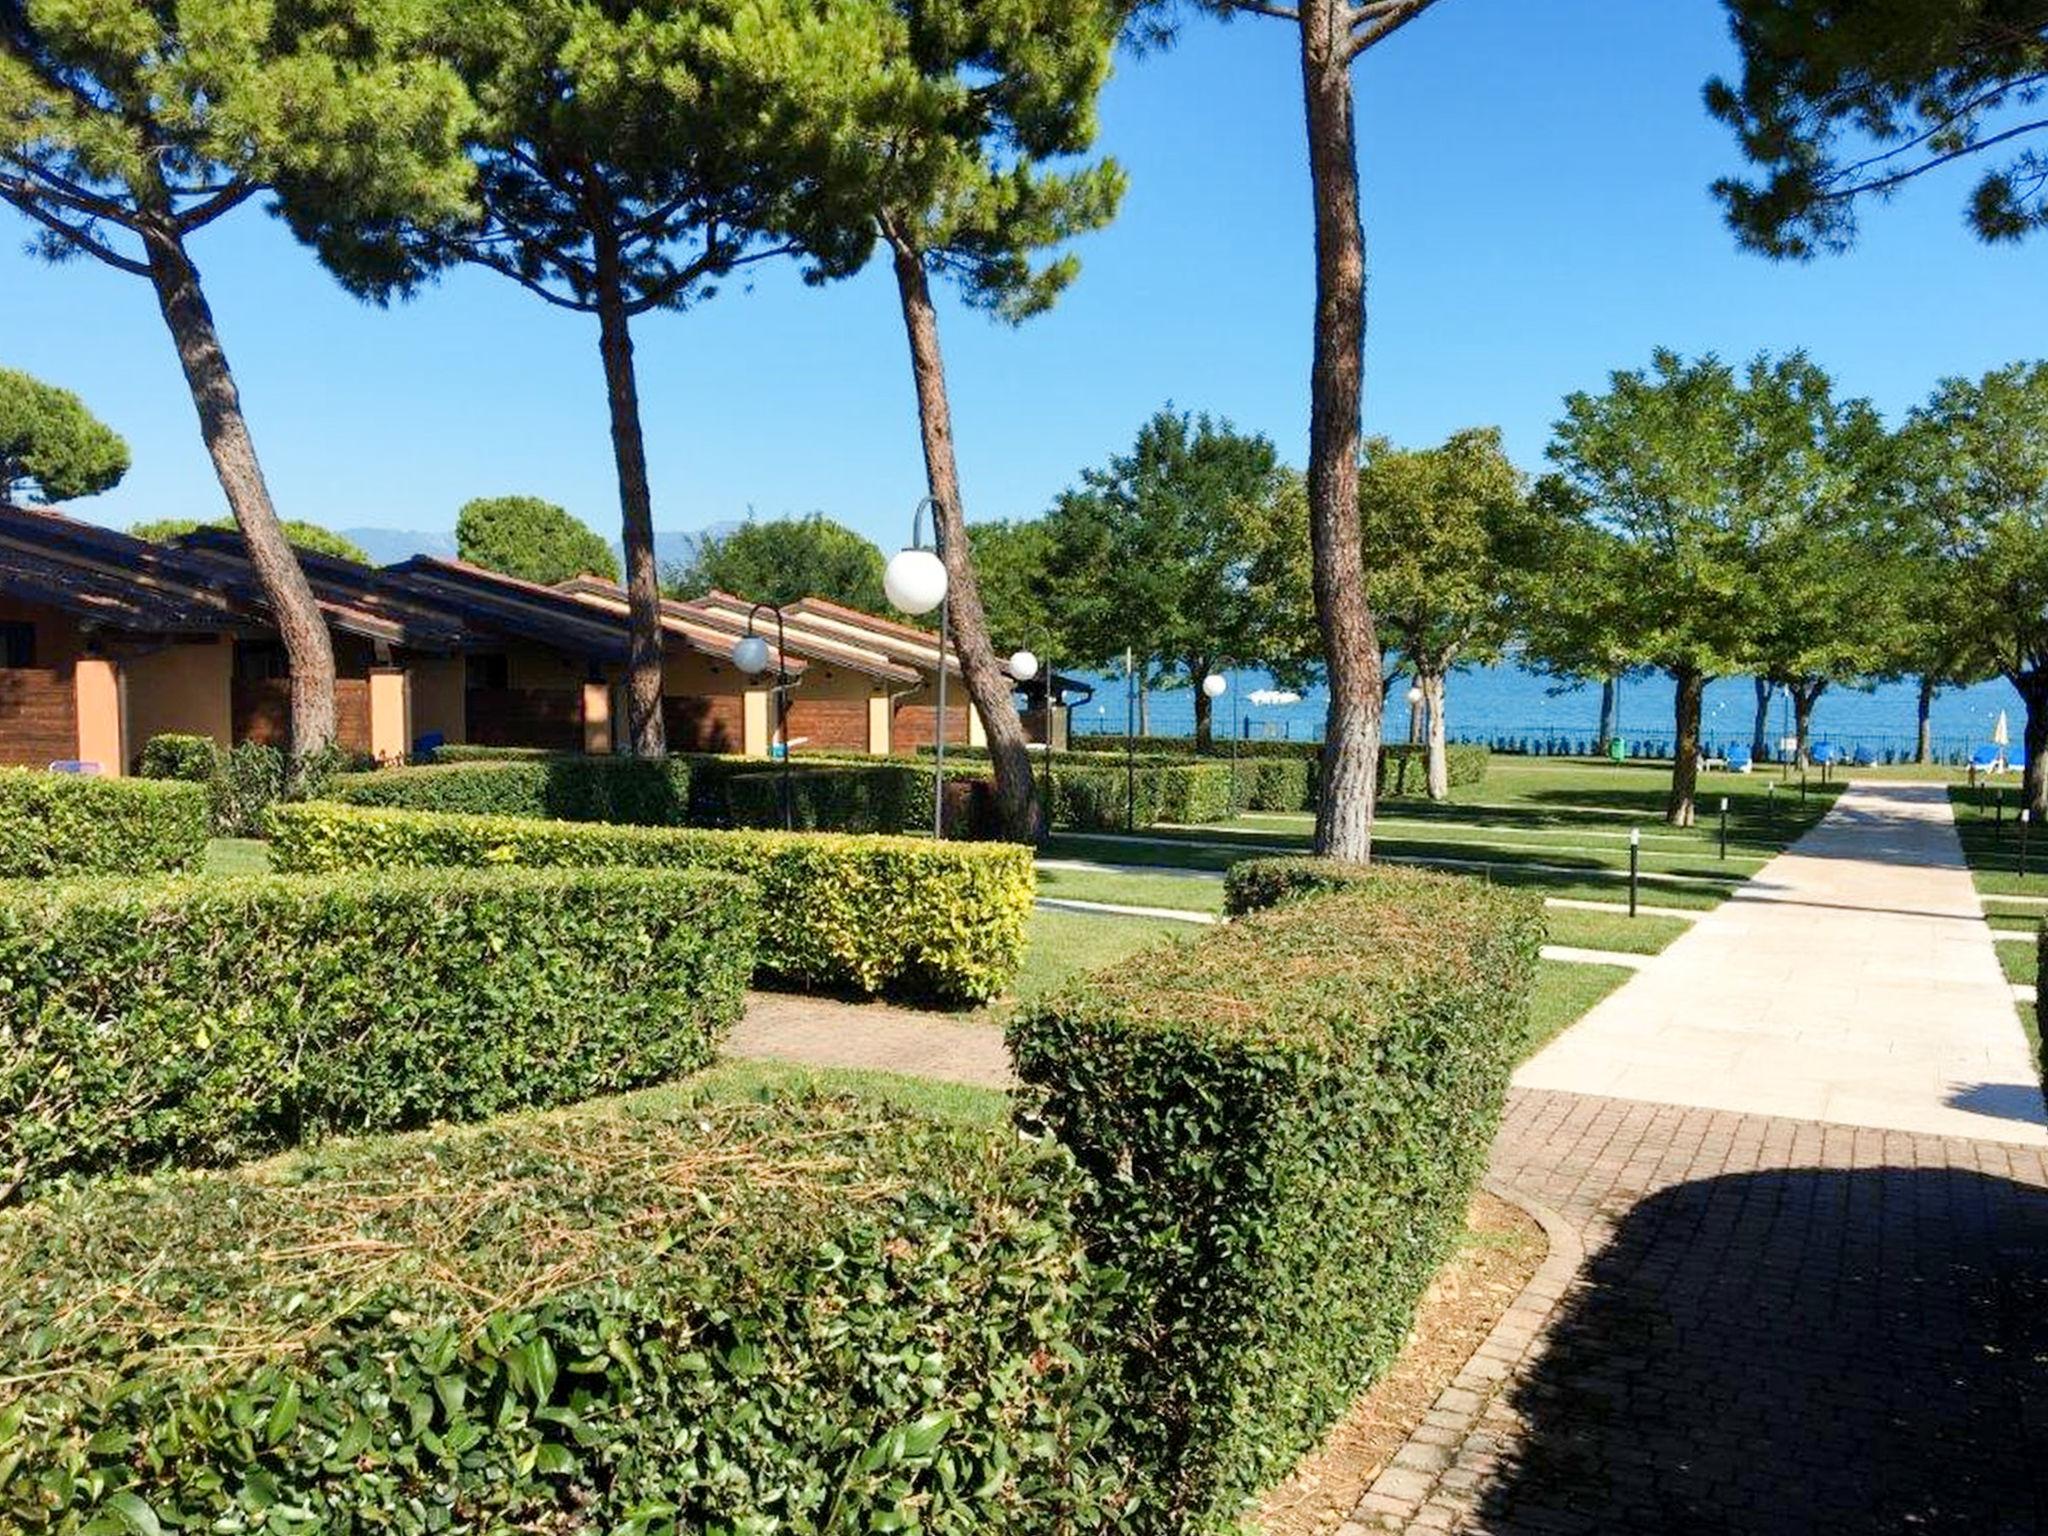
(1433, 1480)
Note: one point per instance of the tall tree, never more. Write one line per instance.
(951, 167)
(1015, 567)
(531, 538)
(51, 447)
(629, 156)
(1978, 457)
(1843, 101)
(128, 127)
(1332, 35)
(1679, 477)
(785, 559)
(1159, 551)
(310, 537)
(1446, 528)
(1834, 592)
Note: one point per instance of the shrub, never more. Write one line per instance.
(881, 796)
(871, 914)
(207, 1021)
(1275, 783)
(72, 824)
(1404, 768)
(251, 781)
(464, 752)
(1253, 885)
(1091, 798)
(1281, 1124)
(563, 787)
(807, 1315)
(195, 759)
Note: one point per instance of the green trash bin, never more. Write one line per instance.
(1617, 749)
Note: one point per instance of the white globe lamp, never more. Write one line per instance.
(915, 580)
(1215, 685)
(1023, 666)
(751, 655)
(1415, 694)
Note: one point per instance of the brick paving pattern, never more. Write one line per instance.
(1784, 1326)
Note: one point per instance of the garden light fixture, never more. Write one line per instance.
(915, 581)
(751, 655)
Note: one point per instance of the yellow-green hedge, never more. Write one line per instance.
(869, 914)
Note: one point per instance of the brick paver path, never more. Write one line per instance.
(1783, 1327)
(1757, 1323)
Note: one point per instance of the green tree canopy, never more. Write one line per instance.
(949, 160)
(51, 447)
(310, 537)
(532, 539)
(1679, 479)
(128, 127)
(1444, 531)
(1840, 101)
(1174, 550)
(1977, 456)
(1014, 562)
(629, 158)
(785, 559)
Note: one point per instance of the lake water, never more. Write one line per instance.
(1509, 702)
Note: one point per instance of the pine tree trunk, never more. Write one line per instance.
(308, 648)
(987, 685)
(1685, 760)
(636, 514)
(1351, 738)
(1610, 690)
(1760, 728)
(2033, 689)
(1439, 752)
(1923, 740)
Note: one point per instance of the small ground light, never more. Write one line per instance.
(1724, 826)
(1635, 855)
(2026, 820)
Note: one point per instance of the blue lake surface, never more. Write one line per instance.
(1512, 702)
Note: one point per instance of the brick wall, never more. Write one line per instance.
(715, 724)
(38, 717)
(911, 727)
(829, 725)
(526, 717)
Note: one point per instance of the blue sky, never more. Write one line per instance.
(1537, 214)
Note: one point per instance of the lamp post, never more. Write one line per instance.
(1023, 667)
(750, 655)
(1414, 713)
(915, 581)
(1214, 686)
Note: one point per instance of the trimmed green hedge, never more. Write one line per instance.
(1087, 798)
(75, 824)
(562, 787)
(1253, 885)
(463, 752)
(807, 1315)
(878, 796)
(206, 1021)
(871, 914)
(1404, 769)
(1282, 1124)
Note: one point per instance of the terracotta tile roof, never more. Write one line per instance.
(703, 632)
(110, 578)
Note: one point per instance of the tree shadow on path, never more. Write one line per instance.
(1798, 1351)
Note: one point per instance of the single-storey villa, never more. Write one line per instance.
(107, 641)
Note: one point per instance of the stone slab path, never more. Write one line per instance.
(1852, 980)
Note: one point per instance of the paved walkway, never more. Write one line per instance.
(1851, 981)
(823, 1031)
(1783, 1327)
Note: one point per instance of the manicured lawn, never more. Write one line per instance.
(237, 856)
(737, 1080)
(1612, 931)
(1180, 892)
(1063, 944)
(1564, 993)
(2021, 962)
(1991, 841)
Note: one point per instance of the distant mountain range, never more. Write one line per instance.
(388, 546)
